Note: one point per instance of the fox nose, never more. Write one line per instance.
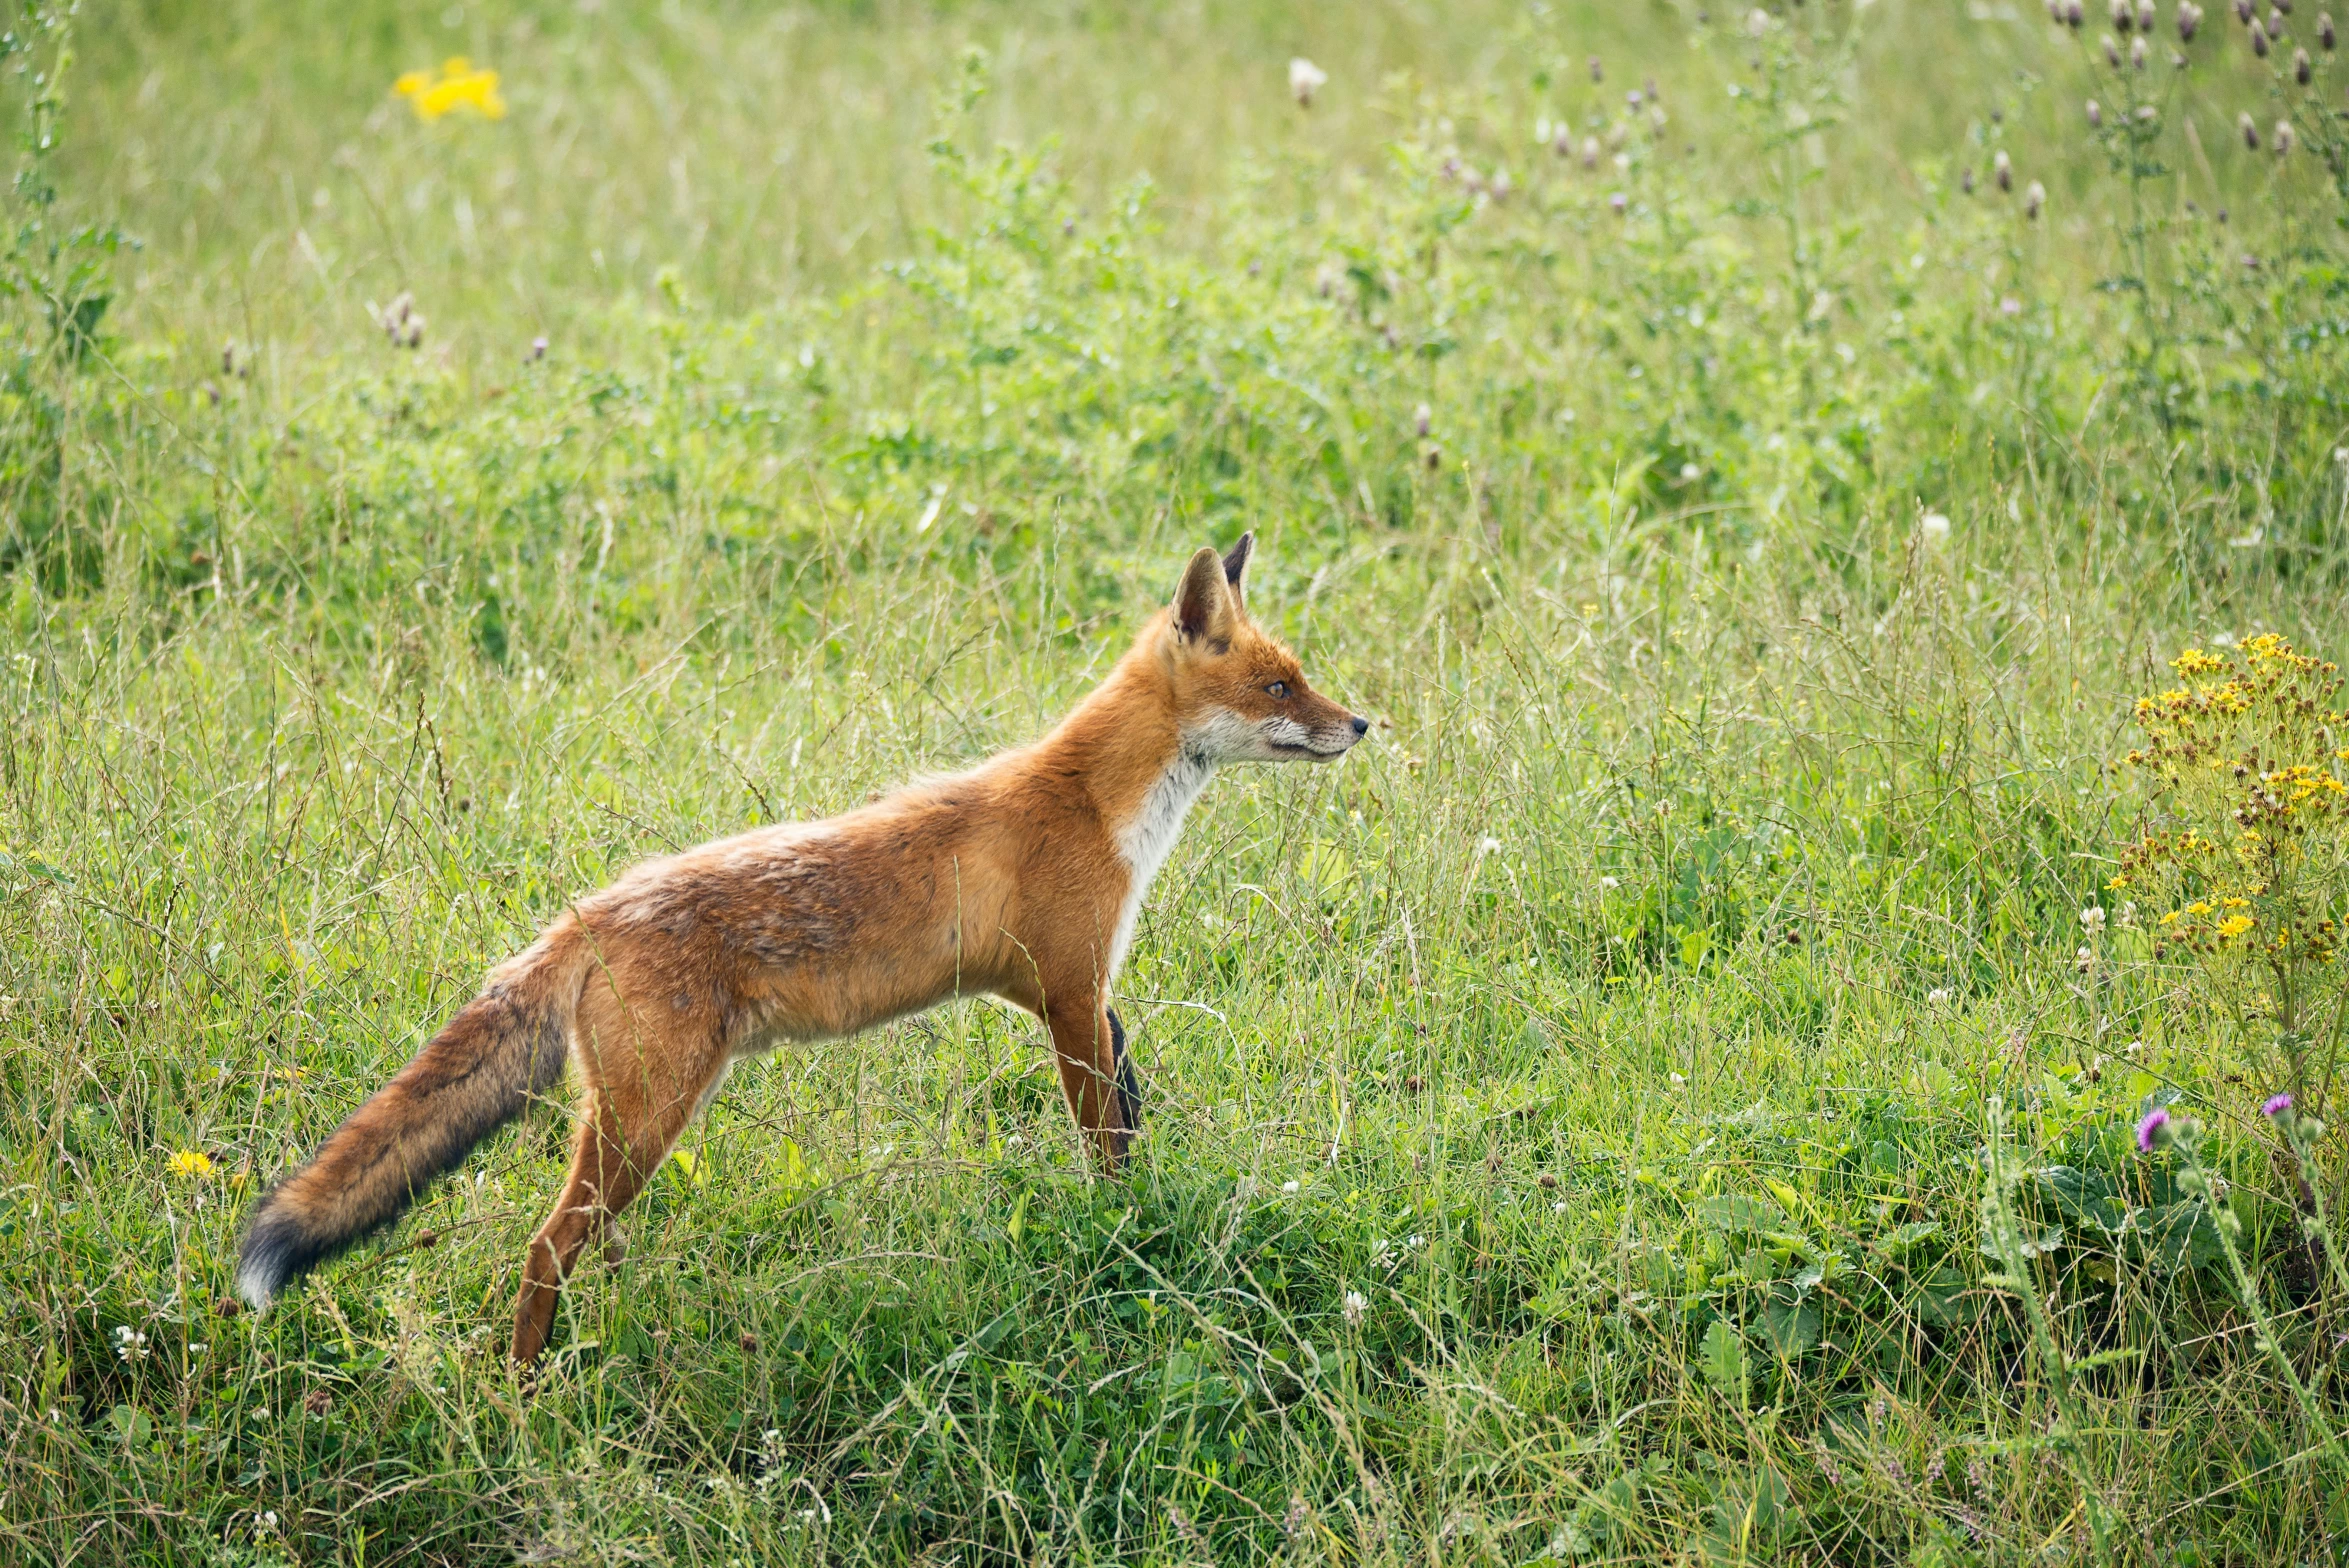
(1361, 725)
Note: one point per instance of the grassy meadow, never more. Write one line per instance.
(1670, 1097)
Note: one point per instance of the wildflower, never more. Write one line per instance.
(1619, 203)
(1934, 526)
(191, 1163)
(1938, 996)
(2276, 1106)
(318, 1401)
(2243, 12)
(1590, 152)
(1609, 884)
(129, 1343)
(1596, 74)
(1305, 79)
(2283, 137)
(1356, 1305)
(538, 348)
(2259, 40)
(2250, 130)
(1422, 420)
(2112, 52)
(2324, 31)
(1289, 1186)
(2234, 926)
(2124, 14)
(2003, 171)
(2137, 53)
(1488, 845)
(2095, 116)
(2153, 1128)
(402, 322)
(2074, 14)
(459, 86)
(2301, 69)
(2093, 918)
(2189, 18)
(2034, 199)
(2145, 16)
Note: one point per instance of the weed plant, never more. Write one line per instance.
(1674, 1096)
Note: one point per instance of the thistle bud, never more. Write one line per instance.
(2137, 53)
(2055, 12)
(2112, 51)
(1653, 95)
(2074, 14)
(1596, 74)
(1590, 152)
(1620, 203)
(2324, 31)
(1563, 143)
(2095, 115)
(1966, 180)
(2004, 171)
(2243, 123)
(1422, 420)
(2283, 7)
(2259, 40)
(2147, 114)
(1501, 185)
(2145, 17)
(2189, 18)
(2033, 200)
(2301, 69)
(2283, 137)
(1633, 100)
(2124, 15)
(2243, 12)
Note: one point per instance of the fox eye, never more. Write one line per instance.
(1278, 691)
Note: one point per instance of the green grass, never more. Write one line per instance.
(1585, 1024)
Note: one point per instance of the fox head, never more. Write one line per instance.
(1238, 690)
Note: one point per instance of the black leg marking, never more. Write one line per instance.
(1129, 1083)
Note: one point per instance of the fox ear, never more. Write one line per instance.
(1203, 606)
(1235, 568)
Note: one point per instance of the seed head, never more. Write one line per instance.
(2283, 137)
(2301, 69)
(2137, 53)
(2259, 40)
(1422, 420)
(2003, 171)
(1597, 73)
(2324, 31)
(1966, 180)
(2034, 199)
(1305, 79)
(2074, 14)
(2189, 18)
(2283, 7)
(2145, 16)
(2095, 115)
(2250, 130)
(2112, 51)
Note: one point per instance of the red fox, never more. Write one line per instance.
(1020, 878)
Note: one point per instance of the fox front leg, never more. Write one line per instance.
(1129, 1083)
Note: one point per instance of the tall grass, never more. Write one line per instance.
(1659, 1102)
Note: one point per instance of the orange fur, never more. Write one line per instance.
(1019, 878)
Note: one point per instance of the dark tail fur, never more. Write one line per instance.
(473, 1077)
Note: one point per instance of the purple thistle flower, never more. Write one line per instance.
(2277, 1105)
(2156, 1122)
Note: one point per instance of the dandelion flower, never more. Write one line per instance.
(1305, 79)
(459, 86)
(193, 1164)
(1935, 527)
(2152, 1129)
(2277, 1105)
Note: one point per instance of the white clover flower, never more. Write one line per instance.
(1609, 884)
(1355, 1306)
(1488, 845)
(2093, 918)
(1938, 996)
(1934, 526)
(1289, 1186)
(1305, 79)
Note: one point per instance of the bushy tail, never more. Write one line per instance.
(470, 1079)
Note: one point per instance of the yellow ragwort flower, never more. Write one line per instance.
(2234, 925)
(191, 1163)
(459, 86)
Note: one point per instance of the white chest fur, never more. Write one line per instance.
(1146, 840)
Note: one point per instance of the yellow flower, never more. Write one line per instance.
(460, 86)
(2117, 882)
(2195, 662)
(2234, 925)
(2234, 903)
(191, 1163)
(694, 1171)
